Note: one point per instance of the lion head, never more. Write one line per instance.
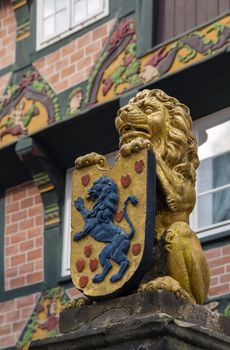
(167, 124)
(102, 188)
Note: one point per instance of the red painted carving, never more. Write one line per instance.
(128, 60)
(124, 28)
(119, 216)
(136, 248)
(83, 280)
(85, 180)
(40, 308)
(28, 79)
(125, 180)
(139, 166)
(88, 250)
(51, 323)
(107, 83)
(93, 264)
(80, 265)
(157, 57)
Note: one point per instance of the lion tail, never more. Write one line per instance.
(133, 200)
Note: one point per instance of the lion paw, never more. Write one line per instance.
(169, 284)
(135, 146)
(91, 159)
(76, 303)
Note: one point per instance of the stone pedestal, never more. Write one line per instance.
(151, 320)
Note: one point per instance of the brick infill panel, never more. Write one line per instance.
(72, 63)
(14, 315)
(219, 264)
(23, 236)
(7, 35)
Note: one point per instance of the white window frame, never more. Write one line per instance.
(65, 270)
(207, 122)
(40, 43)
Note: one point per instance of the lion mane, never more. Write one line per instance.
(178, 147)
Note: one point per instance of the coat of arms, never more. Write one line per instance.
(113, 218)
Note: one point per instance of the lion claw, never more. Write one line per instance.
(91, 159)
(77, 237)
(135, 146)
(169, 284)
(79, 204)
(76, 303)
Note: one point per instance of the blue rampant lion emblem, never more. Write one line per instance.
(99, 224)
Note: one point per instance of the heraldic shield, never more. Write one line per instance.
(113, 225)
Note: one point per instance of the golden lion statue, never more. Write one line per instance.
(155, 120)
(161, 123)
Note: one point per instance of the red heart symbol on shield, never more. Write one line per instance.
(125, 180)
(85, 180)
(88, 250)
(80, 265)
(93, 264)
(139, 166)
(136, 248)
(83, 280)
(119, 216)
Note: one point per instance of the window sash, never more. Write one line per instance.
(71, 26)
(213, 190)
(221, 226)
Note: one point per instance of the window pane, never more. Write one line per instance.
(213, 176)
(48, 8)
(216, 140)
(61, 21)
(221, 170)
(204, 179)
(213, 208)
(48, 27)
(204, 208)
(214, 172)
(60, 5)
(79, 11)
(94, 7)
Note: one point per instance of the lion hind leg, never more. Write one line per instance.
(120, 257)
(121, 271)
(104, 258)
(101, 276)
(186, 262)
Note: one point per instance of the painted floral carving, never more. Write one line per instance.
(123, 35)
(26, 107)
(74, 101)
(119, 69)
(18, 120)
(44, 319)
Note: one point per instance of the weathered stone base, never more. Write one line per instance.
(152, 320)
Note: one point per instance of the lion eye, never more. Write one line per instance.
(148, 110)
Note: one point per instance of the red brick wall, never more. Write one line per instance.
(219, 264)
(72, 63)
(23, 236)
(7, 34)
(14, 315)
